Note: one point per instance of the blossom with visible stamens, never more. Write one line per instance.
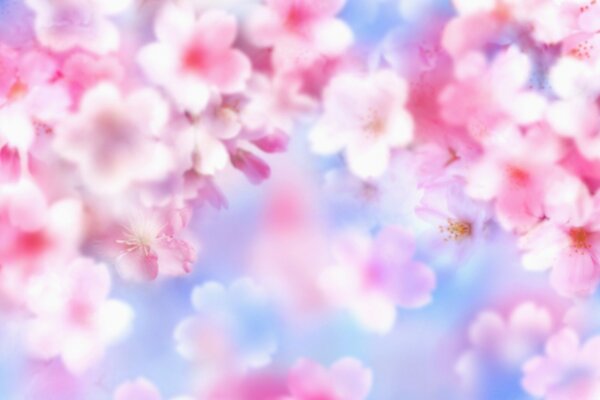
(365, 117)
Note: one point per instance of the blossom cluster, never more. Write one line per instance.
(392, 157)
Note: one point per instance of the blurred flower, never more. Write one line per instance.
(568, 369)
(111, 138)
(365, 117)
(346, 379)
(568, 242)
(139, 389)
(63, 25)
(486, 95)
(516, 171)
(71, 315)
(229, 330)
(193, 56)
(371, 278)
(299, 31)
(500, 345)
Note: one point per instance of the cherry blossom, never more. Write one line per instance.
(193, 56)
(299, 31)
(486, 95)
(150, 244)
(516, 171)
(567, 242)
(371, 278)
(346, 379)
(110, 140)
(71, 315)
(459, 219)
(365, 117)
(66, 24)
(139, 389)
(567, 370)
(229, 318)
(501, 344)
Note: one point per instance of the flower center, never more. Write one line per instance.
(17, 91)
(194, 59)
(456, 229)
(580, 239)
(374, 124)
(518, 176)
(582, 51)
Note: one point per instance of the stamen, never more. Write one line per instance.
(456, 230)
(580, 239)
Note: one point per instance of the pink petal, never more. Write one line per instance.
(216, 30)
(230, 72)
(255, 169)
(175, 256)
(272, 143)
(137, 265)
(575, 274)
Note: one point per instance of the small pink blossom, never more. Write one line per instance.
(346, 379)
(193, 56)
(71, 315)
(568, 369)
(66, 24)
(487, 95)
(275, 104)
(504, 342)
(568, 242)
(365, 117)
(139, 389)
(460, 220)
(371, 278)
(149, 245)
(111, 138)
(299, 31)
(227, 333)
(516, 171)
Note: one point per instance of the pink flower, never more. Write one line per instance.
(63, 25)
(371, 278)
(568, 242)
(346, 379)
(502, 342)
(275, 104)
(515, 171)
(35, 235)
(139, 389)
(365, 117)
(574, 114)
(448, 157)
(111, 138)
(486, 95)
(194, 56)
(568, 369)
(71, 316)
(299, 31)
(255, 169)
(227, 333)
(459, 219)
(83, 71)
(150, 244)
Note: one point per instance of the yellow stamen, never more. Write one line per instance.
(457, 230)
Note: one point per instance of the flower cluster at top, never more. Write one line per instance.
(123, 121)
